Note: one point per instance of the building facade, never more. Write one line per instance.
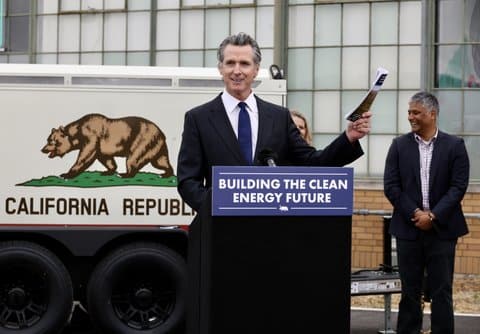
(328, 50)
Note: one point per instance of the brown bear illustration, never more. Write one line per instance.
(100, 138)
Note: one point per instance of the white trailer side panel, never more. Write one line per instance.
(29, 112)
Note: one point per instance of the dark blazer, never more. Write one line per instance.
(208, 140)
(449, 174)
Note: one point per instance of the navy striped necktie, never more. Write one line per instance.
(245, 132)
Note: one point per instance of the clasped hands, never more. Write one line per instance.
(423, 219)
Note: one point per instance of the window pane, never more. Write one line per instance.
(167, 30)
(18, 33)
(450, 66)
(378, 149)
(321, 141)
(473, 143)
(68, 58)
(450, 21)
(167, 59)
(386, 57)
(264, 34)
(355, 68)
(138, 4)
(267, 58)
(114, 4)
(300, 62)
(47, 34)
(243, 19)
(191, 29)
(67, 5)
(472, 111)
(472, 66)
(115, 32)
(92, 4)
(19, 7)
(2, 26)
(360, 165)
(327, 68)
(409, 71)
(410, 22)
(18, 59)
(473, 21)
(356, 21)
(46, 59)
(138, 58)
(92, 29)
(384, 23)
(186, 3)
(138, 34)
(91, 59)
(211, 58)
(69, 34)
(191, 58)
(301, 101)
(302, 1)
(300, 26)
(240, 1)
(168, 4)
(328, 25)
(350, 100)
(47, 6)
(327, 112)
(216, 2)
(114, 58)
(402, 115)
(384, 110)
(216, 27)
(450, 116)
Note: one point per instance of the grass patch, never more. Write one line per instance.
(97, 180)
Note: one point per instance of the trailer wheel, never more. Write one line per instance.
(36, 294)
(139, 288)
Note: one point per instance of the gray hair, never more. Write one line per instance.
(428, 100)
(240, 39)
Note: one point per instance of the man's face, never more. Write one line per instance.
(421, 120)
(238, 70)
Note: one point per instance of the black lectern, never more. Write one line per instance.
(272, 273)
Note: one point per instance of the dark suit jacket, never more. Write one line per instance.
(208, 140)
(449, 173)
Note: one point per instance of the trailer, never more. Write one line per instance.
(90, 216)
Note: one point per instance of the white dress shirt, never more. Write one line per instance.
(233, 110)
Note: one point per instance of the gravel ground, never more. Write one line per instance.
(466, 296)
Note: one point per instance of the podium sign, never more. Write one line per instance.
(270, 252)
(285, 191)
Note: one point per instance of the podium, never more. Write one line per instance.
(273, 266)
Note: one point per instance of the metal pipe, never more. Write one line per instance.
(367, 212)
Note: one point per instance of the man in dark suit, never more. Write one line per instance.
(210, 130)
(211, 137)
(426, 176)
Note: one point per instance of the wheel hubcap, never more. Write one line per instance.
(16, 298)
(144, 298)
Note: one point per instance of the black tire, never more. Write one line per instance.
(36, 293)
(138, 288)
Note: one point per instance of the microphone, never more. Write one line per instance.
(267, 157)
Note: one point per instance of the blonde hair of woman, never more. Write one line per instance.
(302, 125)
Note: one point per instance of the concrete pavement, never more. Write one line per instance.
(363, 321)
